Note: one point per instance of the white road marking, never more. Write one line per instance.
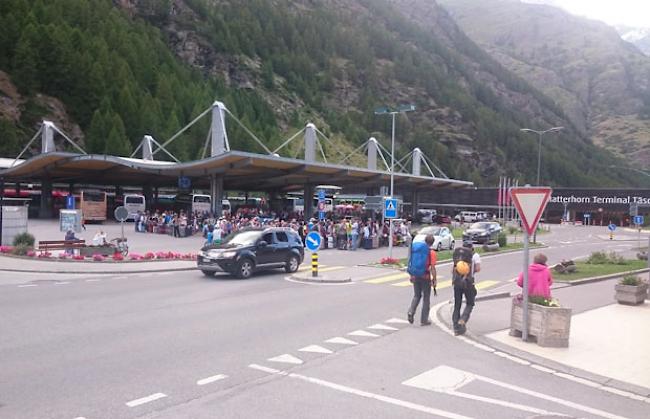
(27, 285)
(342, 341)
(315, 349)
(287, 359)
(396, 321)
(542, 369)
(62, 283)
(447, 380)
(212, 379)
(380, 326)
(144, 400)
(93, 280)
(361, 393)
(363, 333)
(512, 358)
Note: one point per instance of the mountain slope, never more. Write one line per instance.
(600, 81)
(129, 67)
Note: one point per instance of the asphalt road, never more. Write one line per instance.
(179, 345)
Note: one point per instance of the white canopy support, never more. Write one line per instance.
(55, 128)
(182, 130)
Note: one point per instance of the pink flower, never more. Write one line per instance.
(135, 256)
(118, 257)
(6, 249)
(62, 255)
(149, 255)
(78, 257)
(98, 258)
(30, 253)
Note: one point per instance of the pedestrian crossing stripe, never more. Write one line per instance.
(443, 284)
(485, 284)
(308, 268)
(388, 278)
(331, 268)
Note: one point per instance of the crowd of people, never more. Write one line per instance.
(341, 232)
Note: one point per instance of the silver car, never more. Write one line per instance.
(442, 237)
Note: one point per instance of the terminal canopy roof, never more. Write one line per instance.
(239, 170)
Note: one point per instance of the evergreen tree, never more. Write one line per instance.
(117, 144)
(25, 64)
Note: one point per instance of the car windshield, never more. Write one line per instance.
(480, 226)
(244, 238)
(435, 231)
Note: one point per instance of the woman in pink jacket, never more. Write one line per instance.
(539, 277)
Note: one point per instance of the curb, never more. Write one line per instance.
(517, 356)
(494, 296)
(602, 277)
(100, 272)
(321, 280)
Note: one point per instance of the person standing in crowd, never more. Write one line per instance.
(539, 278)
(466, 264)
(422, 269)
(354, 234)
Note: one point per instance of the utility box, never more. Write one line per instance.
(14, 222)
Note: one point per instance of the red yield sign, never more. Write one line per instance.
(530, 204)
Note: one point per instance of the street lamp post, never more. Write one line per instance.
(539, 147)
(392, 112)
(539, 157)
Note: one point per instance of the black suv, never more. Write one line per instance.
(251, 250)
(484, 232)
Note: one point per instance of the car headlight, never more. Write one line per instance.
(229, 254)
(214, 253)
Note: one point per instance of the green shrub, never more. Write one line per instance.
(631, 280)
(602, 258)
(536, 299)
(502, 239)
(513, 230)
(20, 250)
(24, 239)
(598, 258)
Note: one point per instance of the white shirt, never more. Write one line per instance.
(476, 260)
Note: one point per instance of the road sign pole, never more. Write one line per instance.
(122, 224)
(314, 264)
(524, 328)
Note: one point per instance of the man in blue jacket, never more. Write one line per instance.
(422, 269)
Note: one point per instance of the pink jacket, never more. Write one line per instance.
(539, 280)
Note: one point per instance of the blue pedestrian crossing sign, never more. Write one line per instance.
(321, 195)
(638, 220)
(390, 208)
(313, 241)
(611, 227)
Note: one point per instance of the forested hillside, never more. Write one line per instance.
(127, 68)
(601, 82)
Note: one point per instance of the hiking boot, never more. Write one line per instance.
(426, 323)
(461, 328)
(410, 317)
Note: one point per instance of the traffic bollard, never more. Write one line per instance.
(314, 264)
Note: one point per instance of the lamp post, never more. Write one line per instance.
(539, 147)
(539, 157)
(392, 112)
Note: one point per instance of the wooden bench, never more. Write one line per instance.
(47, 245)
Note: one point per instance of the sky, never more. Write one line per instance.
(614, 12)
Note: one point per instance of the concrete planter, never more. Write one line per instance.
(549, 326)
(631, 294)
(90, 251)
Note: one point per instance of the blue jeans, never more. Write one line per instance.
(355, 240)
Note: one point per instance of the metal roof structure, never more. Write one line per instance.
(240, 171)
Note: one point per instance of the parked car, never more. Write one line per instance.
(442, 237)
(426, 216)
(252, 250)
(443, 219)
(467, 216)
(482, 232)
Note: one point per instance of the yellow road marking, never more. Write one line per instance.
(388, 278)
(331, 268)
(308, 267)
(406, 283)
(485, 284)
(443, 284)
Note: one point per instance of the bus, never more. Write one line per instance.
(134, 203)
(92, 204)
(191, 203)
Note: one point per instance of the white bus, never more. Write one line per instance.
(193, 203)
(134, 203)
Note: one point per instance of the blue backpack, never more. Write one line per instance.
(418, 259)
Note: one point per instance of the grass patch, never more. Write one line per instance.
(588, 270)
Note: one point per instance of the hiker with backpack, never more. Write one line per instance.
(422, 269)
(466, 263)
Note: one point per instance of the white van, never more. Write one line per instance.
(134, 203)
(226, 208)
(201, 203)
(467, 216)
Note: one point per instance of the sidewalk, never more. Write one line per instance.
(10, 264)
(609, 343)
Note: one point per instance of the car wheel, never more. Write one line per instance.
(452, 244)
(244, 269)
(208, 273)
(439, 247)
(292, 264)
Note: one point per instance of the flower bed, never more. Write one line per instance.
(98, 257)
